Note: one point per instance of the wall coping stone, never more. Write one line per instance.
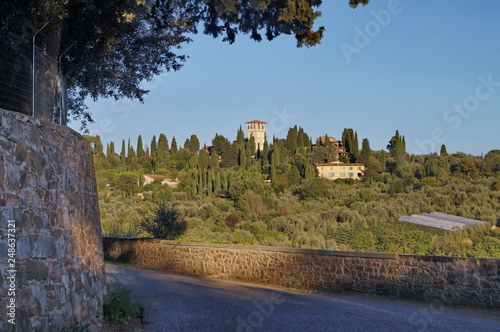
(357, 254)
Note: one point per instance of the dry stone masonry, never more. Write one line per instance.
(472, 281)
(47, 188)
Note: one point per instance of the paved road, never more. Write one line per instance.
(176, 302)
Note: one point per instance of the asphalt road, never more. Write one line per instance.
(176, 302)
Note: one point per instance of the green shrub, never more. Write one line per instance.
(120, 308)
(164, 223)
(315, 188)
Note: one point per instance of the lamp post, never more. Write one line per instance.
(64, 112)
(33, 70)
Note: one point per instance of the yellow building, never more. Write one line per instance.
(338, 170)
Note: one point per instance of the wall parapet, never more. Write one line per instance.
(454, 280)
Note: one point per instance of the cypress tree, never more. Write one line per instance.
(355, 144)
(242, 157)
(141, 178)
(200, 183)
(366, 152)
(108, 149)
(309, 172)
(204, 177)
(174, 148)
(98, 148)
(131, 152)
(277, 152)
(291, 139)
(194, 143)
(162, 149)
(327, 143)
(122, 154)
(383, 160)
(111, 154)
(152, 149)
(346, 133)
(209, 183)
(140, 148)
(240, 136)
(212, 180)
(397, 145)
(265, 151)
(217, 184)
(300, 138)
(248, 155)
(274, 164)
(203, 160)
(223, 178)
(251, 147)
(431, 167)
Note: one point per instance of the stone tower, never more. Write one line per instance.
(257, 129)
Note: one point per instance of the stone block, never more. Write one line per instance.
(35, 270)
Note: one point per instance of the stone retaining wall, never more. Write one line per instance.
(47, 189)
(474, 281)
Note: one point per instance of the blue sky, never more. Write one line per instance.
(430, 69)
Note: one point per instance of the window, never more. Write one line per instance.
(342, 175)
(331, 168)
(332, 175)
(351, 175)
(342, 168)
(359, 167)
(350, 168)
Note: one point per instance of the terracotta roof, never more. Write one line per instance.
(340, 164)
(255, 121)
(332, 139)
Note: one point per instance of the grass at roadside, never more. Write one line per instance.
(122, 312)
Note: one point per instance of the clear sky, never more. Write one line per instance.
(430, 69)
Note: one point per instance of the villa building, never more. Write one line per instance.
(165, 180)
(338, 170)
(338, 144)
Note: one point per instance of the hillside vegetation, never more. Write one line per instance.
(224, 197)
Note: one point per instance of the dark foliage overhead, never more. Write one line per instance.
(107, 48)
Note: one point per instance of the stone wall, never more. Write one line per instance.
(47, 189)
(474, 281)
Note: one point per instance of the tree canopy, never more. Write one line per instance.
(107, 48)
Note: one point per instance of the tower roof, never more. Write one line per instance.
(255, 121)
